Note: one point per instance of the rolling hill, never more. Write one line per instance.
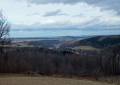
(96, 42)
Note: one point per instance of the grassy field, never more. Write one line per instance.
(89, 48)
(41, 80)
(113, 79)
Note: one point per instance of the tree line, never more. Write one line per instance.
(48, 62)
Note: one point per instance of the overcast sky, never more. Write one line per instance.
(62, 14)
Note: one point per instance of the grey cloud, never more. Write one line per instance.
(54, 13)
(112, 4)
(108, 4)
(53, 1)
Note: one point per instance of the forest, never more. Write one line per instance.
(37, 60)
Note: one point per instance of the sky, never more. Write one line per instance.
(62, 14)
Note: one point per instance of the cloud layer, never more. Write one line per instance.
(61, 14)
(113, 4)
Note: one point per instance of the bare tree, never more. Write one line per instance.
(4, 29)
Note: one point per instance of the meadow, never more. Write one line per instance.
(46, 80)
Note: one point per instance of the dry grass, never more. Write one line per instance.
(41, 80)
(89, 48)
(113, 79)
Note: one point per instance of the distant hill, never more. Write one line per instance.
(85, 43)
(47, 42)
(97, 42)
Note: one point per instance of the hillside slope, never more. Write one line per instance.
(97, 42)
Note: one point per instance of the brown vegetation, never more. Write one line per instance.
(36, 60)
(22, 80)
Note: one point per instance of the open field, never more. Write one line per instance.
(89, 48)
(41, 80)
